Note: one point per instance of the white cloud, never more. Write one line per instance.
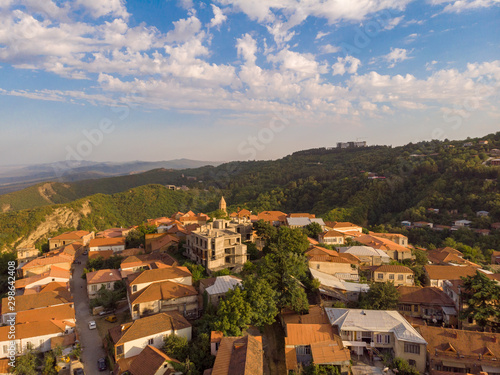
(346, 64)
(393, 23)
(328, 48)
(100, 8)
(396, 55)
(184, 29)
(303, 63)
(219, 16)
(458, 6)
(322, 34)
(247, 48)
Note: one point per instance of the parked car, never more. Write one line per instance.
(106, 312)
(78, 371)
(101, 364)
(92, 325)
(111, 318)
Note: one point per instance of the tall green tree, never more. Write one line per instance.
(234, 313)
(293, 240)
(262, 298)
(313, 230)
(176, 347)
(381, 296)
(49, 364)
(26, 364)
(482, 298)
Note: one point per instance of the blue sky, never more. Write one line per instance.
(109, 80)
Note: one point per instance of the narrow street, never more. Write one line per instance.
(90, 340)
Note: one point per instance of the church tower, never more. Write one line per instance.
(222, 205)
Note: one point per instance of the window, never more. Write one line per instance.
(5, 349)
(94, 288)
(415, 308)
(134, 288)
(109, 285)
(412, 362)
(387, 339)
(391, 276)
(151, 341)
(380, 276)
(401, 277)
(404, 307)
(412, 348)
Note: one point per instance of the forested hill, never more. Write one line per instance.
(369, 186)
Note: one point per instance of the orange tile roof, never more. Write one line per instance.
(104, 254)
(393, 268)
(318, 250)
(114, 241)
(332, 233)
(239, 356)
(310, 216)
(160, 274)
(55, 287)
(340, 224)
(162, 291)
(60, 312)
(153, 324)
(4, 366)
(316, 315)
(43, 261)
(428, 295)
(306, 334)
(329, 352)
(216, 336)
(52, 273)
(74, 235)
(271, 216)
(158, 243)
(103, 276)
(380, 243)
(328, 258)
(32, 329)
(437, 272)
(291, 359)
(38, 300)
(149, 361)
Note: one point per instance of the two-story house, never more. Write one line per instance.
(97, 280)
(438, 274)
(131, 338)
(67, 238)
(398, 275)
(383, 331)
(367, 255)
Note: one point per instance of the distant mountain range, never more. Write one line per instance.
(17, 177)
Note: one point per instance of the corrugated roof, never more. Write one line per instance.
(222, 284)
(374, 320)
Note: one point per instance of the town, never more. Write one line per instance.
(252, 293)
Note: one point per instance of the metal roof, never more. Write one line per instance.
(223, 284)
(363, 251)
(331, 281)
(374, 321)
(303, 221)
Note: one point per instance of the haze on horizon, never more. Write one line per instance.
(225, 80)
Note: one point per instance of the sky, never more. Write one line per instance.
(115, 80)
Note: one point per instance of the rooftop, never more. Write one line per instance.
(239, 356)
(36, 301)
(222, 284)
(149, 361)
(162, 291)
(438, 272)
(113, 241)
(103, 276)
(428, 295)
(159, 274)
(393, 268)
(74, 235)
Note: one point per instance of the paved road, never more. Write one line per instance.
(90, 340)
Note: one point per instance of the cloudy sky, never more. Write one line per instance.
(110, 80)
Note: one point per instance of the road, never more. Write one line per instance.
(90, 340)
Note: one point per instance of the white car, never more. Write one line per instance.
(92, 325)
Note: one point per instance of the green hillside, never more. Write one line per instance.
(332, 183)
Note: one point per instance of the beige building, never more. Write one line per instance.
(26, 254)
(398, 275)
(131, 338)
(331, 237)
(41, 265)
(101, 279)
(380, 330)
(69, 237)
(216, 246)
(103, 244)
(343, 266)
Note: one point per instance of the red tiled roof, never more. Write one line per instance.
(74, 235)
(103, 276)
(437, 272)
(393, 268)
(115, 241)
(239, 356)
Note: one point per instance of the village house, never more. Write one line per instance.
(150, 361)
(60, 313)
(495, 257)
(451, 351)
(131, 338)
(428, 303)
(422, 224)
(367, 255)
(344, 266)
(333, 289)
(36, 335)
(214, 289)
(385, 331)
(447, 256)
(113, 233)
(162, 289)
(115, 244)
(35, 301)
(391, 248)
(275, 218)
(142, 262)
(394, 237)
(462, 223)
(101, 279)
(241, 214)
(26, 254)
(310, 338)
(331, 237)
(437, 274)
(43, 264)
(242, 355)
(345, 227)
(398, 275)
(190, 218)
(67, 238)
(482, 213)
(216, 246)
(161, 243)
(54, 274)
(495, 162)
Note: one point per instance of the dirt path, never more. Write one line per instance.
(273, 343)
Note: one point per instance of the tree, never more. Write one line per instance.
(49, 364)
(26, 364)
(313, 230)
(403, 367)
(108, 298)
(199, 352)
(234, 313)
(482, 298)
(176, 347)
(293, 240)
(262, 298)
(137, 237)
(197, 271)
(381, 296)
(265, 230)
